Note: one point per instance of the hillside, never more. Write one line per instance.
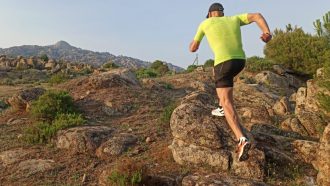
(159, 131)
(64, 51)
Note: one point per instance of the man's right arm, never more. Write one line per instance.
(261, 22)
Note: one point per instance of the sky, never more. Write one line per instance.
(145, 29)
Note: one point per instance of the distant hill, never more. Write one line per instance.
(64, 51)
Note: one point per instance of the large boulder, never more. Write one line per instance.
(306, 150)
(293, 124)
(116, 146)
(282, 107)
(312, 122)
(23, 99)
(218, 180)
(84, 139)
(272, 79)
(113, 78)
(201, 139)
(323, 157)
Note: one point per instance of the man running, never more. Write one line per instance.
(224, 37)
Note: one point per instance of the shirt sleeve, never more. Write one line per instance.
(243, 19)
(200, 34)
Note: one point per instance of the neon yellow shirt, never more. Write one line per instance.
(224, 36)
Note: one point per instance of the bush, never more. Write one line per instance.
(167, 113)
(146, 73)
(127, 172)
(3, 105)
(110, 65)
(58, 78)
(51, 104)
(42, 132)
(209, 63)
(324, 101)
(160, 67)
(191, 68)
(7, 81)
(44, 57)
(257, 64)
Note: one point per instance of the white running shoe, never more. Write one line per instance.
(218, 112)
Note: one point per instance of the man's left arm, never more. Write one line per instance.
(194, 45)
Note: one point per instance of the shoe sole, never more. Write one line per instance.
(245, 154)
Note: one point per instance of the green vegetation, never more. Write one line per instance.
(160, 67)
(257, 64)
(42, 132)
(44, 57)
(324, 101)
(110, 65)
(58, 78)
(3, 105)
(52, 104)
(53, 111)
(167, 113)
(145, 73)
(191, 68)
(209, 63)
(123, 179)
(127, 172)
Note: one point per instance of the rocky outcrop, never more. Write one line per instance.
(201, 139)
(282, 107)
(23, 99)
(113, 78)
(323, 157)
(29, 167)
(12, 156)
(84, 139)
(218, 180)
(116, 145)
(307, 150)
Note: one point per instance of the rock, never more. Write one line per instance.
(320, 73)
(201, 139)
(14, 121)
(116, 145)
(293, 124)
(113, 78)
(279, 70)
(84, 139)
(312, 122)
(50, 65)
(12, 156)
(22, 99)
(218, 180)
(56, 69)
(306, 150)
(200, 86)
(272, 79)
(282, 107)
(148, 140)
(293, 81)
(31, 167)
(323, 157)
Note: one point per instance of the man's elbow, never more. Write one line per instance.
(254, 17)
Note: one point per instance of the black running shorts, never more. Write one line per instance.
(225, 72)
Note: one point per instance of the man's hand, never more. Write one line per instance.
(266, 37)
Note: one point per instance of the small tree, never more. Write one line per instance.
(209, 63)
(160, 67)
(44, 57)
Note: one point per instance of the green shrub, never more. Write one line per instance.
(127, 172)
(7, 81)
(51, 104)
(160, 67)
(257, 64)
(146, 73)
(110, 65)
(167, 113)
(191, 68)
(58, 78)
(167, 86)
(44, 57)
(3, 105)
(42, 132)
(324, 101)
(209, 63)
(86, 71)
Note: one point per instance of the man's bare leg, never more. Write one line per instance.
(227, 102)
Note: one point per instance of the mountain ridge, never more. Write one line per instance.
(62, 50)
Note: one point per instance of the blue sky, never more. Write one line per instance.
(144, 29)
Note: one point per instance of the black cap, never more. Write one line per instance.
(215, 7)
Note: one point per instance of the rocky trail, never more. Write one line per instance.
(127, 130)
